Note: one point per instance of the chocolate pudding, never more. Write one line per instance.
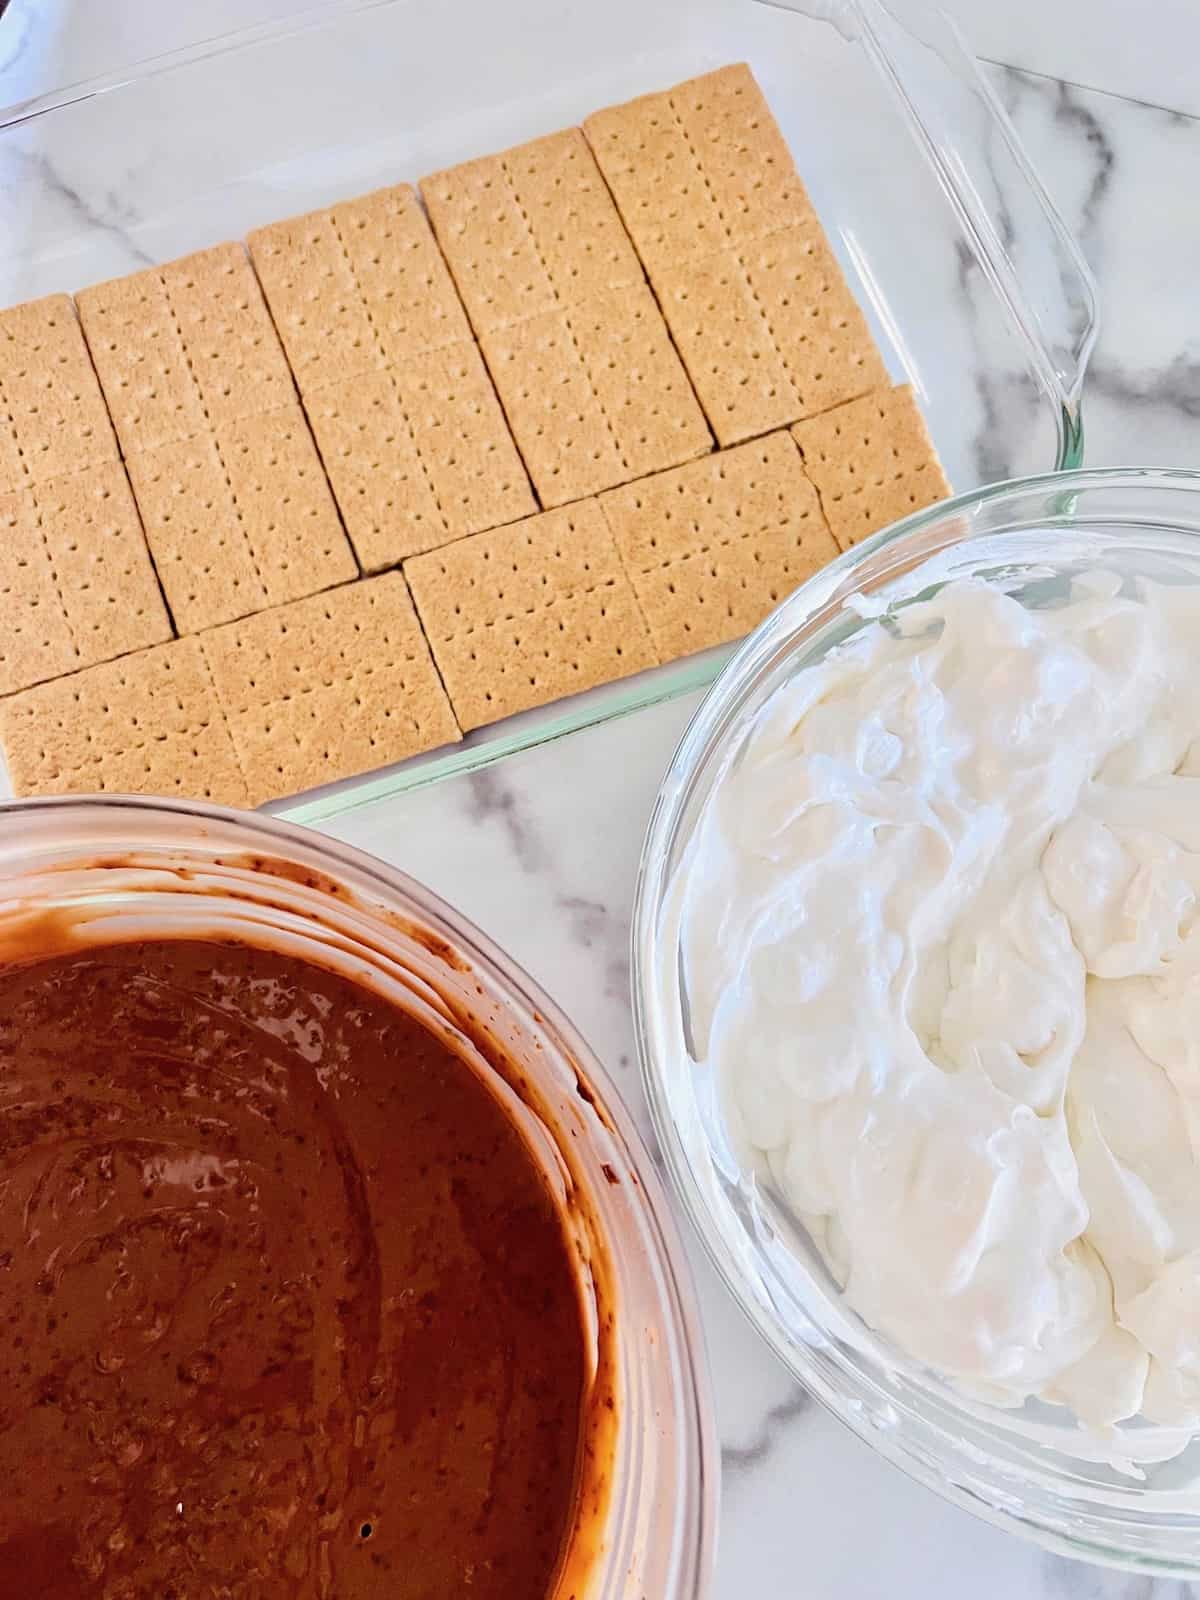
(288, 1305)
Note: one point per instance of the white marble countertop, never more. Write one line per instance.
(541, 850)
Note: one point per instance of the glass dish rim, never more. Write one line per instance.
(696, 755)
(373, 888)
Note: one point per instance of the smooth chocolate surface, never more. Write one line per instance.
(286, 1306)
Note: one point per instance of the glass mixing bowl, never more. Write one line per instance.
(1033, 1470)
(125, 869)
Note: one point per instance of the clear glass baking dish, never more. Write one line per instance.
(975, 290)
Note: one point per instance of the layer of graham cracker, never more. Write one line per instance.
(529, 613)
(412, 435)
(76, 583)
(146, 724)
(328, 687)
(770, 333)
(299, 675)
(751, 291)
(184, 347)
(872, 462)
(530, 230)
(592, 387)
(711, 548)
(418, 455)
(53, 420)
(237, 510)
(596, 395)
(240, 518)
(694, 166)
(357, 286)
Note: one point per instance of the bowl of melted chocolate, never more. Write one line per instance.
(330, 1263)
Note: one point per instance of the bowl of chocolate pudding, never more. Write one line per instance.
(332, 1264)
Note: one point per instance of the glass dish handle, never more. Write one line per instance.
(1030, 256)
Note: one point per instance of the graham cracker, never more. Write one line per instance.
(413, 437)
(569, 445)
(459, 429)
(530, 230)
(231, 343)
(94, 542)
(284, 505)
(726, 343)
(526, 614)
(375, 470)
(712, 547)
(661, 195)
(697, 167)
(53, 419)
(400, 273)
(184, 347)
(152, 397)
(485, 237)
(204, 558)
(35, 637)
(595, 395)
(321, 319)
(593, 390)
(240, 518)
(328, 687)
(637, 380)
(872, 462)
(146, 724)
(418, 455)
(745, 160)
(76, 583)
(357, 287)
(814, 319)
(769, 332)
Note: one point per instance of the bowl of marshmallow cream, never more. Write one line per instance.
(917, 980)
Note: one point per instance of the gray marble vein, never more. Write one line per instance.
(1071, 1580)
(593, 924)
(107, 212)
(1173, 388)
(493, 800)
(1119, 172)
(23, 30)
(1082, 120)
(738, 1458)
